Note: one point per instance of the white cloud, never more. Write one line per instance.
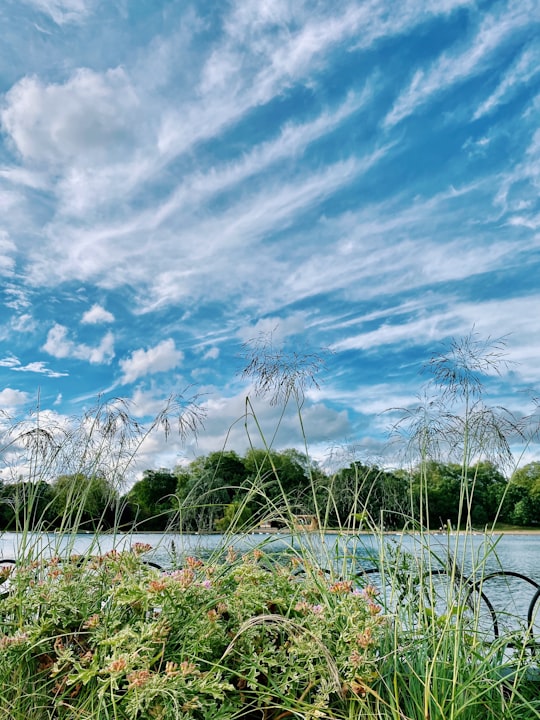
(454, 67)
(39, 367)
(275, 328)
(524, 69)
(24, 323)
(59, 345)
(18, 297)
(7, 252)
(512, 317)
(227, 425)
(121, 254)
(9, 362)
(211, 354)
(10, 398)
(64, 11)
(86, 120)
(97, 314)
(291, 142)
(162, 357)
(13, 363)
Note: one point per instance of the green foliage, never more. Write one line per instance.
(525, 484)
(150, 501)
(108, 636)
(207, 487)
(83, 502)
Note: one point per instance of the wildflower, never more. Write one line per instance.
(206, 584)
(184, 577)
(341, 586)
(365, 639)
(13, 640)
(370, 592)
(171, 668)
(5, 572)
(117, 666)
(258, 554)
(138, 678)
(187, 668)
(156, 586)
(355, 659)
(231, 554)
(139, 548)
(212, 615)
(317, 609)
(356, 687)
(374, 609)
(92, 622)
(193, 563)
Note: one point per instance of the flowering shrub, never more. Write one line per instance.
(112, 637)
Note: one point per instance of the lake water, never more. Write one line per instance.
(509, 595)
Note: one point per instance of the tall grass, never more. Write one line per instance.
(340, 627)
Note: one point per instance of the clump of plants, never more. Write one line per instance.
(112, 637)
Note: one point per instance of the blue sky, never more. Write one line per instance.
(178, 177)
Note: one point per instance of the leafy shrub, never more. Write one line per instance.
(112, 637)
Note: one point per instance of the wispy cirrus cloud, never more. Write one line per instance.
(40, 368)
(13, 363)
(459, 65)
(456, 320)
(64, 12)
(520, 73)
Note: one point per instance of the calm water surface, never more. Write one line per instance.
(519, 553)
(484, 555)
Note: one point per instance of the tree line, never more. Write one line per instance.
(221, 488)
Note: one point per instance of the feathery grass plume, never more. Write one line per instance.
(277, 373)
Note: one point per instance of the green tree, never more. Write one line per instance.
(436, 489)
(279, 480)
(486, 486)
(151, 501)
(206, 488)
(363, 492)
(81, 501)
(526, 481)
